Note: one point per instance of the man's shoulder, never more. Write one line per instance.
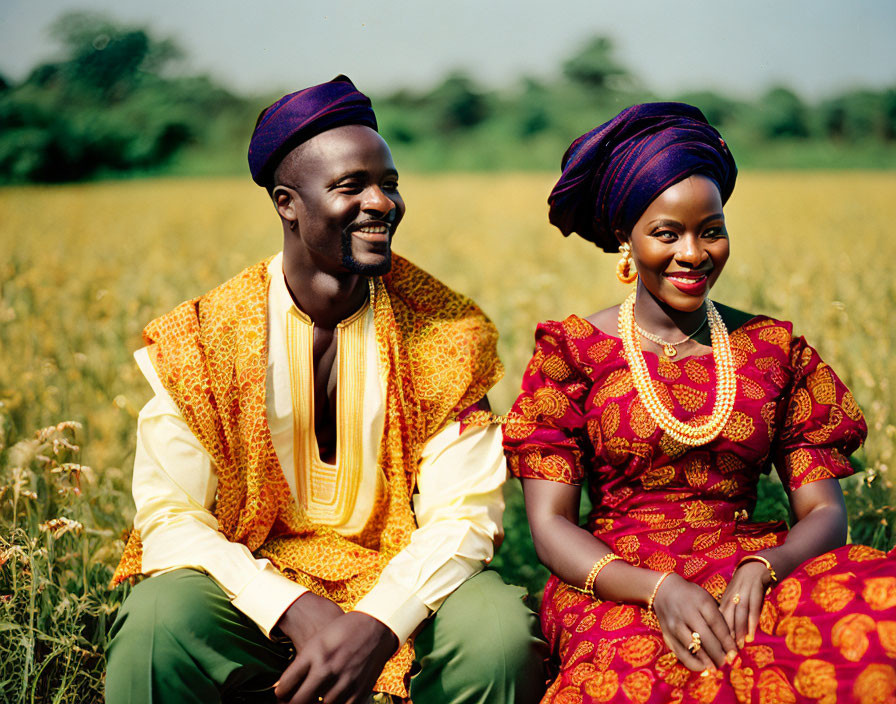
(239, 291)
(426, 296)
(449, 343)
(239, 297)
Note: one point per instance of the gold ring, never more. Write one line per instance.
(735, 599)
(695, 644)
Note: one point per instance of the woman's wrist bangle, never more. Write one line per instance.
(595, 571)
(656, 588)
(764, 561)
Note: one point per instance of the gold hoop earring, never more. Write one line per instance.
(625, 270)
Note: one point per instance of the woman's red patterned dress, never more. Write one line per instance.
(827, 633)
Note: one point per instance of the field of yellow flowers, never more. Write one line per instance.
(84, 268)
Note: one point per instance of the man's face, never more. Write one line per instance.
(341, 188)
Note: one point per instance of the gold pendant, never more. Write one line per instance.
(670, 350)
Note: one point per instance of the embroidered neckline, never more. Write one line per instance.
(328, 492)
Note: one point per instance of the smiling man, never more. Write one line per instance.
(317, 487)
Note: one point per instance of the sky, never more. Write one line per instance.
(817, 47)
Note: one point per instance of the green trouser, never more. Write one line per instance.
(178, 640)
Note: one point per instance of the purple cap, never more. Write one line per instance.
(298, 117)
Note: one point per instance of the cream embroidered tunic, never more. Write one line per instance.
(458, 506)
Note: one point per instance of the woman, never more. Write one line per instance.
(671, 406)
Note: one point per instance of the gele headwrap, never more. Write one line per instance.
(298, 117)
(612, 173)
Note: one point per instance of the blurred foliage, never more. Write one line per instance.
(116, 102)
(594, 68)
(859, 115)
(782, 114)
(457, 104)
(111, 104)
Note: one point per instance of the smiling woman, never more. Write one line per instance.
(681, 240)
(679, 247)
(670, 406)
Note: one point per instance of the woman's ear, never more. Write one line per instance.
(621, 236)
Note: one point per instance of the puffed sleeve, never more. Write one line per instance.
(544, 434)
(823, 424)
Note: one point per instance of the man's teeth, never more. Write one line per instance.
(375, 230)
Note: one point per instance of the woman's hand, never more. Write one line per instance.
(684, 608)
(742, 601)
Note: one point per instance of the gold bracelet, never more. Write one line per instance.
(656, 589)
(595, 570)
(764, 561)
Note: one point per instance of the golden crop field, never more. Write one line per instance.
(84, 268)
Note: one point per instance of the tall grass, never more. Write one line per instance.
(85, 267)
(56, 548)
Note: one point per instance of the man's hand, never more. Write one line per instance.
(684, 608)
(339, 663)
(306, 616)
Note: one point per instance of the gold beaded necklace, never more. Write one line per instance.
(692, 434)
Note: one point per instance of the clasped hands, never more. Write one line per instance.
(684, 609)
(339, 656)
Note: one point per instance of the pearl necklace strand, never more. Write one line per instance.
(726, 382)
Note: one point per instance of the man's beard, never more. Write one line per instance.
(356, 267)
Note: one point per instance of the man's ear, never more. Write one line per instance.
(285, 201)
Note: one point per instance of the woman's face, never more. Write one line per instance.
(680, 244)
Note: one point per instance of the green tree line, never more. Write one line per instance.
(115, 104)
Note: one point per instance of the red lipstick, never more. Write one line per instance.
(689, 282)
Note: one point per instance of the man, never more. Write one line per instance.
(311, 484)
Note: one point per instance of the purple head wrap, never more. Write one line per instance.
(612, 173)
(298, 117)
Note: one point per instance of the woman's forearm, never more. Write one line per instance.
(570, 552)
(821, 530)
